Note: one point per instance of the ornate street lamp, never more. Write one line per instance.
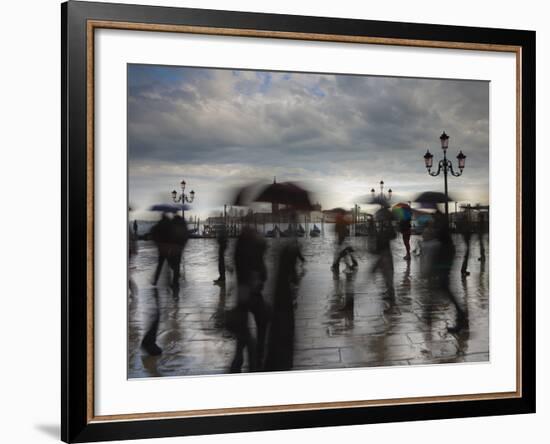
(183, 197)
(381, 195)
(445, 165)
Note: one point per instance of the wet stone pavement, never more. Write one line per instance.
(341, 320)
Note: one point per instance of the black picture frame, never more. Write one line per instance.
(76, 423)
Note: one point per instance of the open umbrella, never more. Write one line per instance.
(339, 211)
(430, 199)
(286, 193)
(245, 195)
(402, 211)
(169, 207)
(373, 200)
(379, 200)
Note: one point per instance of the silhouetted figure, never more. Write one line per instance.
(405, 228)
(132, 252)
(442, 263)
(463, 226)
(480, 234)
(385, 233)
(349, 297)
(135, 228)
(251, 274)
(280, 344)
(222, 246)
(170, 237)
(149, 342)
(341, 251)
(160, 234)
(179, 236)
(342, 306)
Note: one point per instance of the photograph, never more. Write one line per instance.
(304, 221)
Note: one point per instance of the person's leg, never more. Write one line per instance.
(464, 268)
(237, 363)
(160, 262)
(221, 266)
(461, 319)
(481, 247)
(253, 357)
(175, 262)
(337, 257)
(149, 341)
(349, 254)
(387, 267)
(258, 309)
(407, 242)
(238, 324)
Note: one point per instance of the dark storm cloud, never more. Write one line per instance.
(323, 125)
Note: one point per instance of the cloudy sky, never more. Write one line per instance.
(339, 135)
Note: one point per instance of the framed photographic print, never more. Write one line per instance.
(277, 221)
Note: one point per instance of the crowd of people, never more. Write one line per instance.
(268, 345)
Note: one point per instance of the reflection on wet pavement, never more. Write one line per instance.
(341, 319)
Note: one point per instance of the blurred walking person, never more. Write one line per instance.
(280, 344)
(160, 234)
(402, 212)
(179, 235)
(341, 251)
(481, 221)
(251, 275)
(385, 233)
(442, 258)
(170, 236)
(463, 226)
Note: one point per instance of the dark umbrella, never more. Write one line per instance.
(339, 210)
(169, 207)
(286, 193)
(380, 200)
(430, 199)
(377, 199)
(245, 195)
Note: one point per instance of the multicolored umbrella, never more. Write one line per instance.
(402, 212)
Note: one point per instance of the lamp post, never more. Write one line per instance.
(183, 197)
(381, 194)
(446, 165)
